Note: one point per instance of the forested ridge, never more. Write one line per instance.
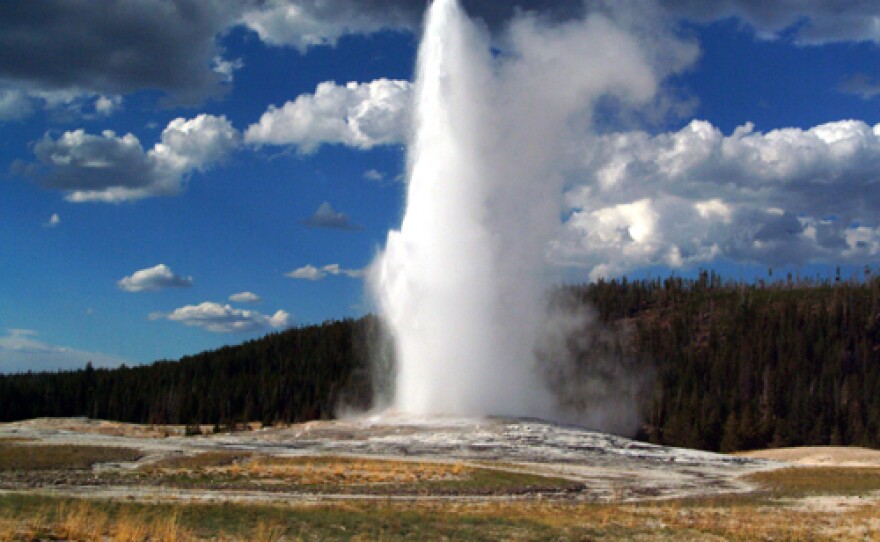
(749, 366)
(295, 375)
(734, 366)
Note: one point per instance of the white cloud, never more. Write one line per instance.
(374, 175)
(245, 297)
(310, 272)
(196, 143)
(360, 115)
(14, 104)
(21, 352)
(687, 197)
(106, 105)
(334, 269)
(307, 23)
(224, 318)
(327, 217)
(53, 221)
(153, 279)
(227, 68)
(110, 168)
(306, 272)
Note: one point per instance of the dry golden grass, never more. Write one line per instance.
(311, 470)
(732, 519)
(268, 532)
(354, 471)
(676, 520)
(87, 520)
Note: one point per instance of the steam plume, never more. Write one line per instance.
(462, 284)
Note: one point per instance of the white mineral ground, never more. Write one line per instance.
(610, 467)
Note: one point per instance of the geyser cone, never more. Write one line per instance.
(461, 307)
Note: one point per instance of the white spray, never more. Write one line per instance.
(462, 284)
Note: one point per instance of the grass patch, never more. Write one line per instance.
(807, 481)
(27, 457)
(34, 517)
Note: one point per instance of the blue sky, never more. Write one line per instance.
(147, 176)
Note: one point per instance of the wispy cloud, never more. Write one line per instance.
(310, 272)
(20, 351)
(860, 84)
(245, 297)
(328, 217)
(219, 318)
(53, 221)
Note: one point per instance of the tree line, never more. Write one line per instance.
(734, 366)
(290, 376)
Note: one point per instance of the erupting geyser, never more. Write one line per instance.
(462, 284)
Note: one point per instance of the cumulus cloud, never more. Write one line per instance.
(360, 115)
(227, 68)
(106, 105)
(787, 196)
(224, 318)
(90, 49)
(111, 168)
(307, 23)
(310, 272)
(111, 48)
(153, 279)
(20, 352)
(245, 297)
(327, 217)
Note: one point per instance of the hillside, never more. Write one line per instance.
(749, 366)
(726, 366)
(296, 375)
